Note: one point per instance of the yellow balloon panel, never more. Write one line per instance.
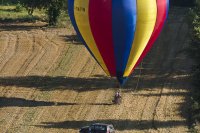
(146, 19)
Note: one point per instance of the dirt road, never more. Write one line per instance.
(50, 84)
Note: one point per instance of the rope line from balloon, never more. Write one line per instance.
(136, 87)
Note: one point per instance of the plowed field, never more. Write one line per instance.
(49, 83)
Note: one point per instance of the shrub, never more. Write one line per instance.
(54, 11)
(19, 7)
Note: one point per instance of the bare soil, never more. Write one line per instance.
(49, 83)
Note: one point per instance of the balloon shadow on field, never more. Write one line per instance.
(21, 102)
(47, 83)
(118, 124)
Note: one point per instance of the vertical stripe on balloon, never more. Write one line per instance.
(146, 19)
(71, 14)
(123, 29)
(100, 17)
(161, 17)
(82, 21)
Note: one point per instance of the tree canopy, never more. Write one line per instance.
(53, 8)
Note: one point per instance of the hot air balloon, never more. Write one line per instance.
(118, 33)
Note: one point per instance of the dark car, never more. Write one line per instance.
(98, 128)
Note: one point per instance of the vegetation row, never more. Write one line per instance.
(194, 53)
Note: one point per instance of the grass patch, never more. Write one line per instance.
(7, 7)
(10, 14)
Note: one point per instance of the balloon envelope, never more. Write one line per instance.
(118, 33)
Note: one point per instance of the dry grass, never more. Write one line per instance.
(9, 14)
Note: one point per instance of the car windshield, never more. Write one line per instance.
(100, 128)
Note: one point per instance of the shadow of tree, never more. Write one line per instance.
(48, 83)
(118, 124)
(163, 94)
(19, 20)
(16, 27)
(72, 38)
(20, 102)
(8, 10)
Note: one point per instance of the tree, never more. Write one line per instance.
(194, 52)
(185, 3)
(31, 5)
(54, 10)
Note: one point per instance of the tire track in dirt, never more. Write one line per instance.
(64, 67)
(55, 69)
(96, 100)
(137, 106)
(37, 53)
(18, 72)
(45, 63)
(88, 103)
(10, 51)
(4, 39)
(72, 68)
(60, 45)
(21, 53)
(44, 111)
(168, 100)
(78, 71)
(44, 73)
(81, 97)
(150, 104)
(18, 56)
(167, 66)
(161, 90)
(29, 94)
(6, 56)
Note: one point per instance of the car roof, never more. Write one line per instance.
(103, 124)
